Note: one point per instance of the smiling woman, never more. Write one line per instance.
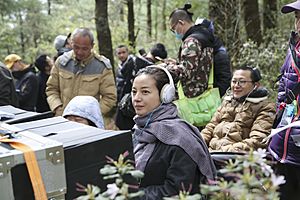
(245, 116)
(164, 141)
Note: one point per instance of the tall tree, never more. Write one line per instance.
(149, 18)
(156, 21)
(252, 20)
(164, 24)
(131, 35)
(226, 16)
(103, 31)
(269, 14)
(49, 6)
(22, 36)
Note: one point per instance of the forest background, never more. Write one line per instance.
(255, 32)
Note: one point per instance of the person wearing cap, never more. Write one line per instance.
(62, 44)
(282, 145)
(82, 71)
(7, 87)
(26, 81)
(85, 110)
(44, 64)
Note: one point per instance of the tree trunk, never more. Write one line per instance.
(121, 10)
(156, 19)
(226, 16)
(252, 21)
(131, 35)
(22, 35)
(103, 31)
(269, 14)
(164, 23)
(149, 19)
(49, 7)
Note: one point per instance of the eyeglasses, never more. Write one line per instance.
(173, 27)
(240, 82)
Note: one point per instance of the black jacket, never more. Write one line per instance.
(27, 88)
(42, 104)
(167, 169)
(124, 81)
(8, 94)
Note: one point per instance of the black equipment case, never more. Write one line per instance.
(85, 148)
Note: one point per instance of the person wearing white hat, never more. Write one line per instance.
(85, 110)
(62, 44)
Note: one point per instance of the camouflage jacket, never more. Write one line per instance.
(195, 61)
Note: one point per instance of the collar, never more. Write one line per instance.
(85, 61)
(249, 99)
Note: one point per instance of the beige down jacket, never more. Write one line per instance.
(91, 77)
(239, 126)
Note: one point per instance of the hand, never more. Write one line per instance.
(170, 61)
(58, 111)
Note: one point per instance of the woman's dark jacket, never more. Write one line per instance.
(169, 167)
(42, 104)
(27, 88)
(170, 152)
(8, 94)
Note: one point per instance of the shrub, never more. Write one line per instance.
(120, 189)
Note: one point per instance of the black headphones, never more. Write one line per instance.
(256, 74)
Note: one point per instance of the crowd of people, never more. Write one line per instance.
(79, 85)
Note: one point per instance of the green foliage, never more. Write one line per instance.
(28, 28)
(119, 190)
(251, 178)
(184, 195)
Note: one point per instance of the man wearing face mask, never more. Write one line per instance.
(195, 54)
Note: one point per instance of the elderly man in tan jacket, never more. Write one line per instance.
(245, 117)
(81, 71)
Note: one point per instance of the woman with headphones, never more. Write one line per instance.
(245, 116)
(167, 149)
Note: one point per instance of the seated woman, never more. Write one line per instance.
(167, 149)
(245, 116)
(85, 110)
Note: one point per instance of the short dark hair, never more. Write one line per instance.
(160, 77)
(41, 62)
(182, 14)
(122, 46)
(159, 50)
(255, 73)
